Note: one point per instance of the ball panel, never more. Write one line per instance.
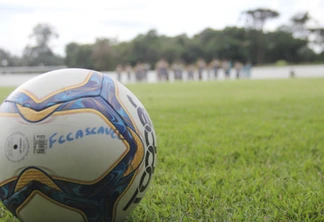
(134, 108)
(64, 148)
(51, 211)
(131, 110)
(55, 81)
(144, 128)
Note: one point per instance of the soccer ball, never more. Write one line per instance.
(75, 145)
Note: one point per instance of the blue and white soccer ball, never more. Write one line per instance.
(75, 145)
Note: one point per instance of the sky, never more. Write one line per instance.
(84, 21)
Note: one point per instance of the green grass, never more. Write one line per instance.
(235, 151)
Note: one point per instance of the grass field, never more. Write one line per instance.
(234, 151)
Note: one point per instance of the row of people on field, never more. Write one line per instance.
(163, 70)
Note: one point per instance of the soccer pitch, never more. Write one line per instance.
(234, 151)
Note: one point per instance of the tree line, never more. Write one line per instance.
(293, 42)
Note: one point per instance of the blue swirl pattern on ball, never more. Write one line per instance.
(108, 92)
(91, 88)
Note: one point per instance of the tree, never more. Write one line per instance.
(299, 24)
(79, 56)
(321, 56)
(146, 48)
(41, 53)
(318, 41)
(123, 53)
(103, 55)
(230, 43)
(172, 49)
(5, 58)
(283, 46)
(43, 34)
(257, 18)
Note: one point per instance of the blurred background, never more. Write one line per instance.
(150, 41)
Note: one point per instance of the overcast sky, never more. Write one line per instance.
(84, 21)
